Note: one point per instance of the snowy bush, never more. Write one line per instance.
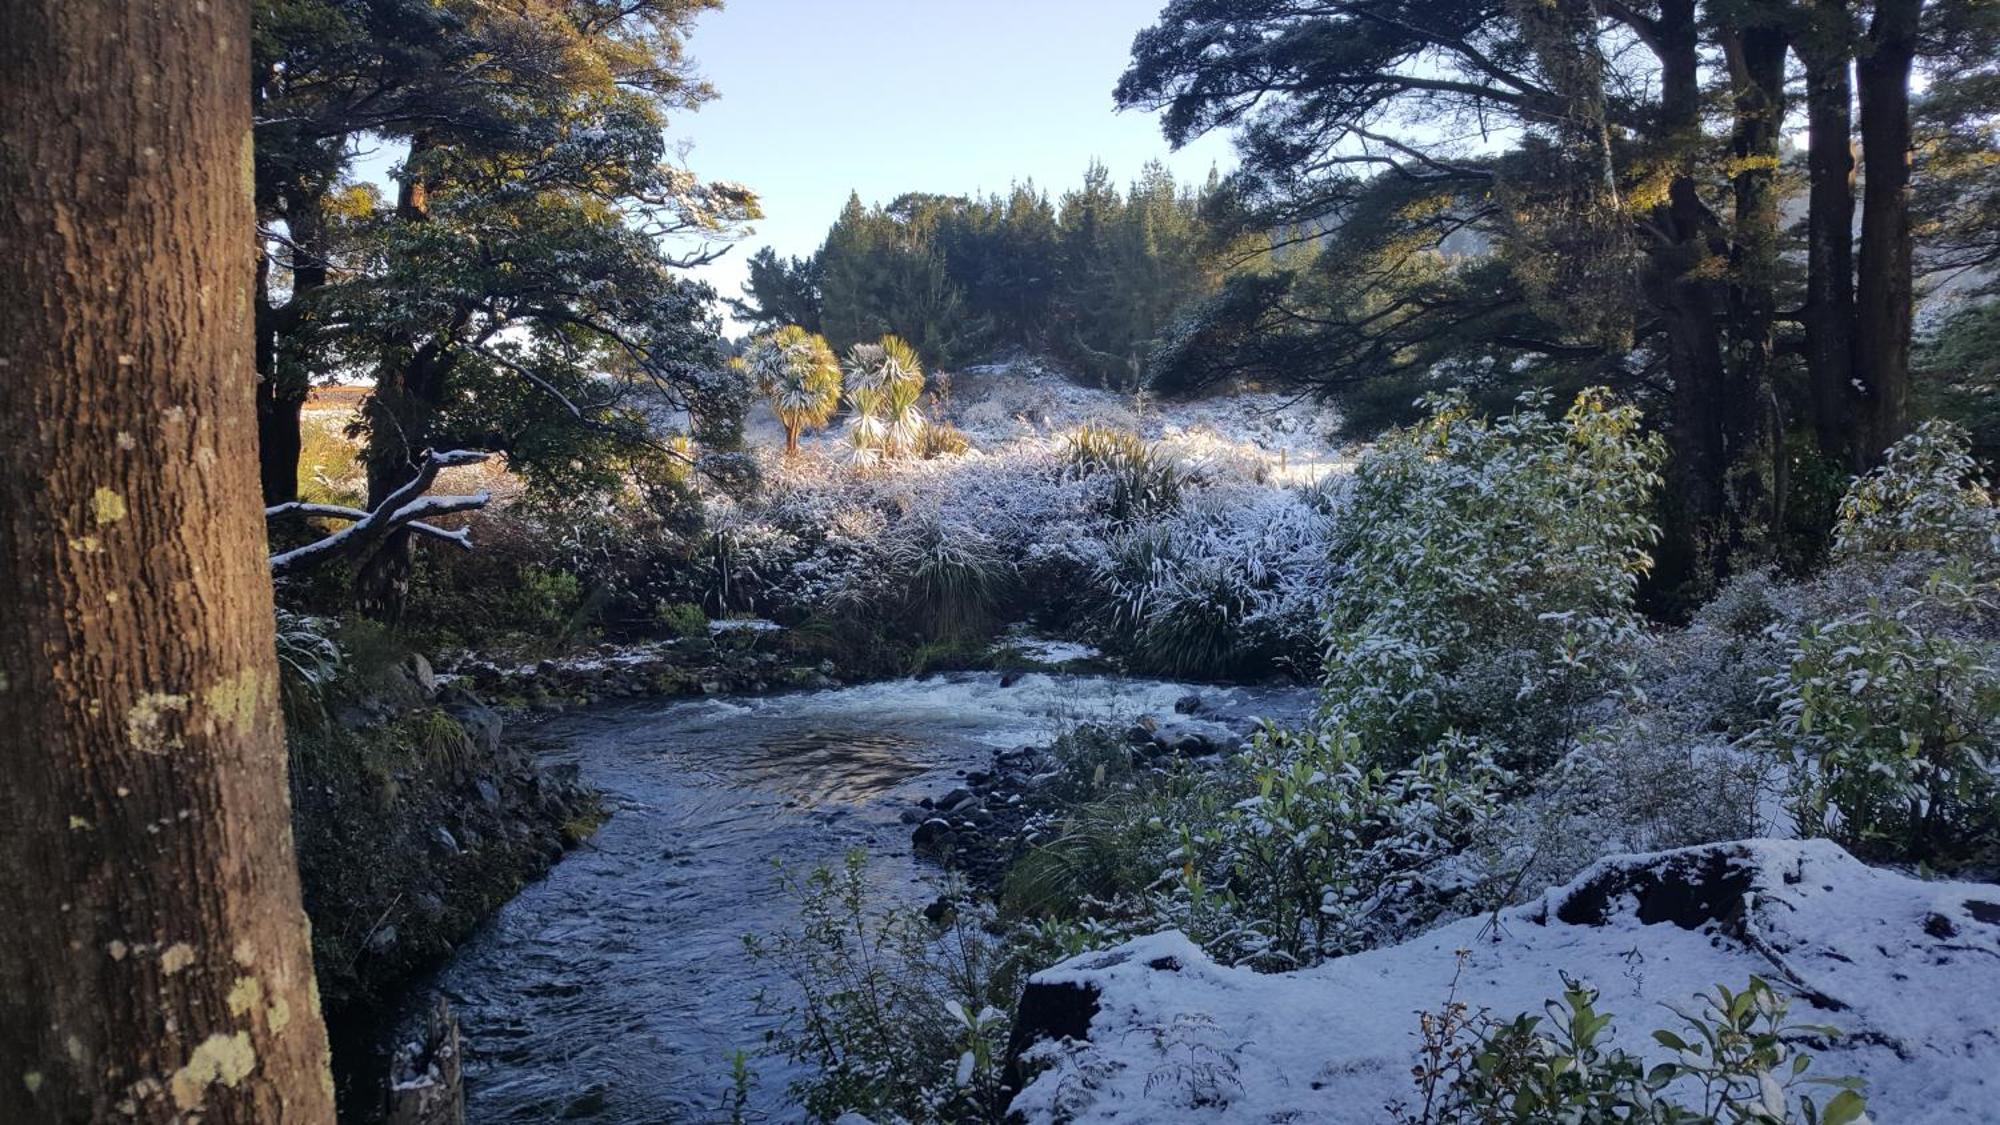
(884, 381)
(1928, 495)
(1235, 582)
(1734, 1060)
(1139, 478)
(1485, 571)
(1886, 707)
(308, 662)
(1890, 721)
(1328, 854)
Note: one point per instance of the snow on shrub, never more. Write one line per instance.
(1485, 571)
(1886, 709)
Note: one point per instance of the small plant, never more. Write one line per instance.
(684, 620)
(742, 1079)
(884, 382)
(953, 576)
(1733, 1062)
(900, 1019)
(309, 660)
(1144, 479)
(544, 601)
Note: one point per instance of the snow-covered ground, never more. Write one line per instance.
(1908, 969)
(1026, 403)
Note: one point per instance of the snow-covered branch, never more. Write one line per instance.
(405, 509)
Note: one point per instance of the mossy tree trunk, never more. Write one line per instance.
(156, 965)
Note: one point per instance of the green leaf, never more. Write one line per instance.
(1846, 1106)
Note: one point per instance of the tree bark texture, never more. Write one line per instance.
(1756, 56)
(1827, 49)
(1683, 283)
(156, 964)
(1884, 292)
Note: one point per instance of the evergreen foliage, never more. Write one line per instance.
(796, 371)
(1486, 574)
(1097, 278)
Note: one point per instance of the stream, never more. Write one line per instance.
(616, 989)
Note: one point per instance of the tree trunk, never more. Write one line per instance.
(1756, 57)
(409, 388)
(1827, 48)
(1885, 292)
(157, 965)
(1680, 282)
(288, 344)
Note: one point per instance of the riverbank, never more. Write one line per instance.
(416, 815)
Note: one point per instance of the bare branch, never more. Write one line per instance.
(402, 510)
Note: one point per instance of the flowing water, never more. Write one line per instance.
(617, 988)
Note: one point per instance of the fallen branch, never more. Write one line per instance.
(404, 509)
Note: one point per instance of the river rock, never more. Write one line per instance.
(933, 835)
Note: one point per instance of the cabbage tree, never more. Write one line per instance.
(796, 370)
(884, 381)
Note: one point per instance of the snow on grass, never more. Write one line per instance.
(1908, 969)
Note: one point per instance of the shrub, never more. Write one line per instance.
(900, 1019)
(681, 619)
(309, 661)
(1144, 479)
(1485, 574)
(1891, 725)
(953, 576)
(545, 601)
(1299, 851)
(1927, 495)
(1888, 715)
(884, 381)
(1732, 1062)
(1330, 855)
(1232, 583)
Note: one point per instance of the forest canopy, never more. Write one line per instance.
(1096, 277)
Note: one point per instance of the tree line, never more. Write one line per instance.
(1096, 277)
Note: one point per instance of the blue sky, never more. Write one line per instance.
(820, 97)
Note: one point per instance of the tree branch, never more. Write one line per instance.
(401, 510)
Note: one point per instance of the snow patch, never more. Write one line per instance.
(1908, 969)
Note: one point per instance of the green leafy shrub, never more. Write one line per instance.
(1486, 570)
(1927, 495)
(1732, 1062)
(900, 1019)
(1329, 854)
(545, 601)
(1888, 716)
(681, 619)
(1299, 851)
(1891, 726)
